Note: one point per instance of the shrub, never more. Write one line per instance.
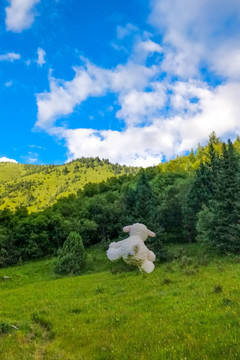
(217, 288)
(4, 328)
(72, 257)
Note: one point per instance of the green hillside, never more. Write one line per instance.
(39, 186)
(187, 308)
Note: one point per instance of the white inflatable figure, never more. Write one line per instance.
(133, 250)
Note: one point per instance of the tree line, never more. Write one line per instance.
(179, 206)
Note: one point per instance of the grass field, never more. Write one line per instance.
(187, 308)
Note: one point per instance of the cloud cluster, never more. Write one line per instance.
(196, 32)
(20, 14)
(165, 102)
(169, 136)
(91, 81)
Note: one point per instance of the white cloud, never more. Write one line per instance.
(220, 110)
(163, 115)
(138, 107)
(5, 159)
(198, 31)
(123, 31)
(41, 57)
(10, 57)
(89, 81)
(20, 14)
(131, 147)
(144, 49)
(190, 123)
(65, 95)
(148, 47)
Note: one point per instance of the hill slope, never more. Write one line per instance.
(39, 186)
(176, 312)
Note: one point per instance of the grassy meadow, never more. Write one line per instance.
(187, 309)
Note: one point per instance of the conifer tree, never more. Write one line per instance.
(128, 206)
(199, 193)
(192, 156)
(144, 207)
(146, 212)
(221, 230)
(72, 256)
(202, 189)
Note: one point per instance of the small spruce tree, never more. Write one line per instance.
(72, 257)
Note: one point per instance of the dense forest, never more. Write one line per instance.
(190, 199)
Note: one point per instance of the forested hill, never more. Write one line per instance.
(39, 186)
(178, 203)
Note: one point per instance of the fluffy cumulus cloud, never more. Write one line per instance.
(89, 81)
(199, 31)
(163, 97)
(169, 136)
(20, 14)
(132, 146)
(5, 159)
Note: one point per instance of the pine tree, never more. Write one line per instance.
(192, 156)
(144, 207)
(199, 193)
(221, 230)
(72, 257)
(202, 189)
(139, 206)
(128, 206)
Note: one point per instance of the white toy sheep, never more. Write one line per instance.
(133, 250)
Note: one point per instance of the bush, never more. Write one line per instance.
(72, 257)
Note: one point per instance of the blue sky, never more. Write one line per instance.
(133, 81)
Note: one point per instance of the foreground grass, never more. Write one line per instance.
(186, 309)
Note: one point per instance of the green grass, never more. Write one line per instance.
(187, 309)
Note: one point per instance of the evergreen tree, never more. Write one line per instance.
(170, 213)
(146, 212)
(222, 228)
(128, 203)
(144, 204)
(192, 156)
(72, 257)
(202, 189)
(200, 152)
(199, 193)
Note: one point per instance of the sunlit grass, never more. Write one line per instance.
(173, 313)
(48, 183)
